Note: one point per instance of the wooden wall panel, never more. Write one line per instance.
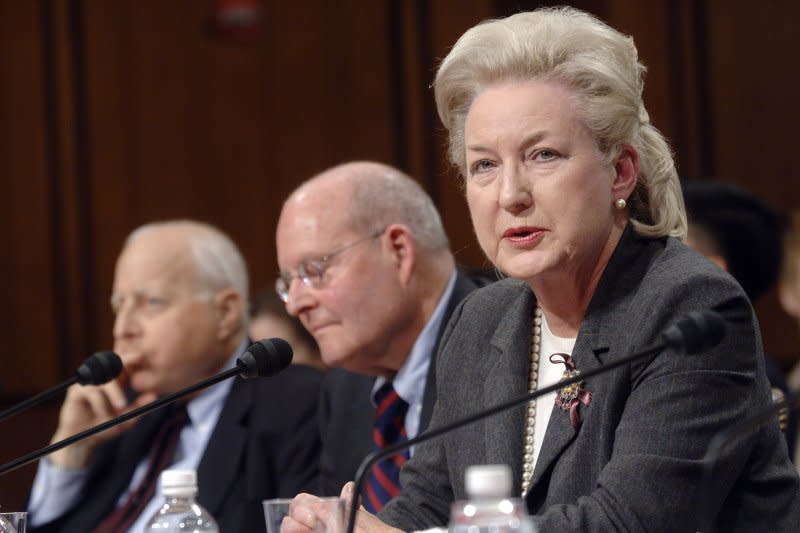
(182, 124)
(755, 110)
(447, 21)
(29, 323)
(27, 314)
(113, 114)
(754, 122)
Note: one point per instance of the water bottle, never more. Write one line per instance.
(490, 507)
(180, 511)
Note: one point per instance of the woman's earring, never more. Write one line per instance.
(620, 204)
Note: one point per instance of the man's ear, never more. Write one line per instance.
(229, 306)
(626, 170)
(402, 248)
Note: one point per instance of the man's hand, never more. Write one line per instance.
(84, 407)
(307, 514)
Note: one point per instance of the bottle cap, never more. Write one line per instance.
(178, 482)
(488, 481)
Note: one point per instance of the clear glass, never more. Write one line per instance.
(13, 522)
(506, 515)
(329, 514)
(182, 513)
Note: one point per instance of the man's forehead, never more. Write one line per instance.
(153, 282)
(304, 220)
(142, 266)
(318, 202)
(312, 224)
(312, 246)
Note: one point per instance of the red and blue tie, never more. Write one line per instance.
(383, 482)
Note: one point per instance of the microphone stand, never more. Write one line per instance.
(157, 404)
(432, 433)
(100, 368)
(39, 398)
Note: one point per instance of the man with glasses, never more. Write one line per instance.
(366, 266)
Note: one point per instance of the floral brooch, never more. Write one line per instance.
(570, 397)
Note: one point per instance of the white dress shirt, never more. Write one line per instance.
(409, 382)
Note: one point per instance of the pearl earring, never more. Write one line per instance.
(620, 204)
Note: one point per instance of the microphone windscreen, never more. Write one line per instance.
(696, 332)
(265, 358)
(100, 368)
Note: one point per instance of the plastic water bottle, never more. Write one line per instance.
(180, 511)
(490, 507)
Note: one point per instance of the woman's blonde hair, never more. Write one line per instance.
(600, 65)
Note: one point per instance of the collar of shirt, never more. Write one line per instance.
(204, 410)
(409, 382)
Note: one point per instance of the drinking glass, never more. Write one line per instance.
(329, 514)
(13, 522)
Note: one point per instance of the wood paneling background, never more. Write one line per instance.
(115, 113)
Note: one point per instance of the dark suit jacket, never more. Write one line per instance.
(265, 445)
(635, 463)
(346, 412)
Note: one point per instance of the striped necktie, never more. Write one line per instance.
(383, 482)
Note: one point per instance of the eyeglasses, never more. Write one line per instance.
(311, 272)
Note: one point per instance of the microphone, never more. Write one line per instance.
(97, 369)
(697, 331)
(693, 333)
(262, 359)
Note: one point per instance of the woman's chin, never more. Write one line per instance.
(525, 271)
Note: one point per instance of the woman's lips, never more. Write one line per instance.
(523, 235)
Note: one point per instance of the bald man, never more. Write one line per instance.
(366, 266)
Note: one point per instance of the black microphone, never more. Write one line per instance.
(695, 332)
(262, 359)
(100, 368)
(691, 334)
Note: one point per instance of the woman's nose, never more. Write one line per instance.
(515, 191)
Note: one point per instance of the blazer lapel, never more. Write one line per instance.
(462, 288)
(226, 442)
(598, 334)
(506, 378)
(559, 429)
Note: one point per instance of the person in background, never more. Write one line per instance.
(789, 294)
(366, 266)
(743, 235)
(268, 318)
(180, 303)
(574, 195)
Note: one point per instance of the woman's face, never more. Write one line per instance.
(540, 195)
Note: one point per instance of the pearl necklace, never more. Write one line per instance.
(530, 418)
